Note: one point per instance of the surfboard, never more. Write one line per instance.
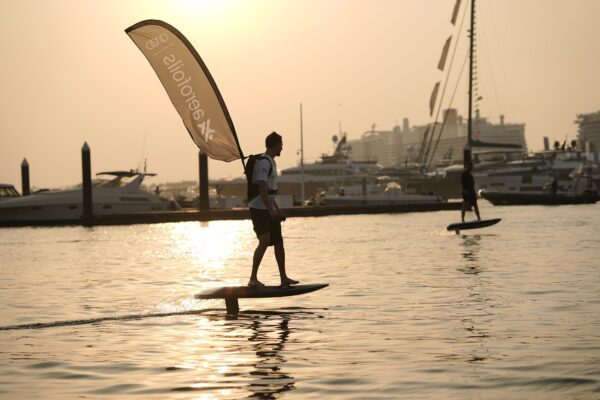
(231, 294)
(459, 226)
(241, 292)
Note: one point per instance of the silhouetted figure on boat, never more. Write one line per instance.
(468, 192)
(551, 186)
(554, 185)
(261, 172)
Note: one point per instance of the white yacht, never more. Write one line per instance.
(109, 196)
(530, 174)
(379, 194)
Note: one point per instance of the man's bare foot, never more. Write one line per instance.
(255, 283)
(288, 282)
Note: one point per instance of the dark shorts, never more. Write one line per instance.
(470, 198)
(263, 223)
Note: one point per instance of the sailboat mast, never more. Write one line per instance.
(301, 157)
(467, 150)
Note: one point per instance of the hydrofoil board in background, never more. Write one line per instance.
(459, 226)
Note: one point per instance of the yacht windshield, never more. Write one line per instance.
(8, 192)
(108, 183)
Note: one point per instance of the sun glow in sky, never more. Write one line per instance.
(205, 13)
(70, 75)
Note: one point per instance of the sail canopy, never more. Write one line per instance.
(190, 87)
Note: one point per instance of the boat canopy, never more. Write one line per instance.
(125, 174)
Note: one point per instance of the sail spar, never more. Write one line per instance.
(455, 12)
(433, 98)
(444, 55)
(190, 87)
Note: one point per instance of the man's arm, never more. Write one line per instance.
(279, 211)
(463, 182)
(263, 190)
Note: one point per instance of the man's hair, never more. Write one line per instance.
(273, 139)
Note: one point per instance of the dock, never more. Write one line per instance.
(157, 217)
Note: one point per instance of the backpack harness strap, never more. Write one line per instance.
(270, 170)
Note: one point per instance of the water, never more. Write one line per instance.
(413, 312)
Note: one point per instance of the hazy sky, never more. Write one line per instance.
(70, 74)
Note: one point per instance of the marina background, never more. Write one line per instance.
(74, 76)
(412, 311)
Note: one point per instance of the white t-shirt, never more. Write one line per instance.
(261, 173)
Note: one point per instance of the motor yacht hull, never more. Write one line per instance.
(67, 206)
(509, 199)
(381, 200)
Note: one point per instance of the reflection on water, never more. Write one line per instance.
(476, 324)
(511, 311)
(231, 368)
(192, 240)
(470, 246)
(210, 356)
(268, 342)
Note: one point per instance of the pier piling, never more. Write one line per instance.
(203, 166)
(86, 171)
(25, 190)
(467, 154)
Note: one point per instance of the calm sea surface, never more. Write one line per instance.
(412, 311)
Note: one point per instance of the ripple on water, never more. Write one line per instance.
(412, 311)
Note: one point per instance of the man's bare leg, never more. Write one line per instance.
(263, 243)
(477, 211)
(463, 210)
(280, 257)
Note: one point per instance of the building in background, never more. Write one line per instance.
(383, 147)
(589, 130)
(408, 144)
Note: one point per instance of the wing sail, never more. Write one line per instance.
(190, 87)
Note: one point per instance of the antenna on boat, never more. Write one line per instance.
(143, 152)
(340, 120)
